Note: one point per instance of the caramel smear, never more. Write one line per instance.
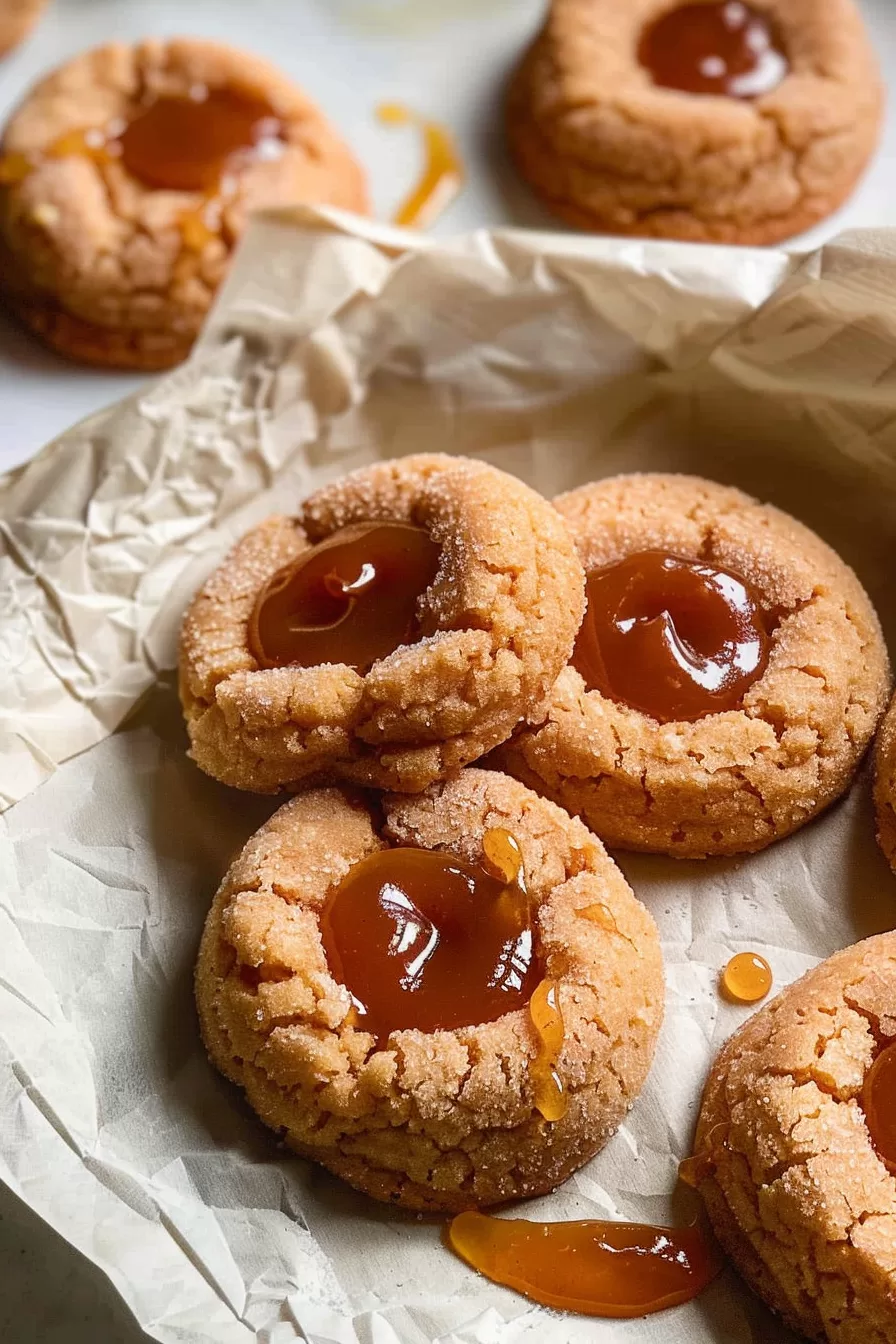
(443, 172)
(544, 1009)
(619, 1270)
(693, 1171)
(747, 978)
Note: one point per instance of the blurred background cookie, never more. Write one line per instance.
(729, 674)
(17, 18)
(411, 617)
(796, 1148)
(716, 120)
(126, 178)
(449, 1000)
(885, 785)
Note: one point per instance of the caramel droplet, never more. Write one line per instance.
(879, 1104)
(442, 176)
(544, 1009)
(747, 978)
(502, 851)
(618, 1270)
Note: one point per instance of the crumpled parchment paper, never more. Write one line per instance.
(335, 342)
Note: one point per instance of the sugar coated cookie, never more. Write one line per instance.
(17, 18)
(449, 1000)
(885, 785)
(403, 625)
(717, 120)
(729, 674)
(796, 1148)
(126, 178)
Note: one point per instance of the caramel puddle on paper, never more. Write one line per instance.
(442, 176)
(615, 1270)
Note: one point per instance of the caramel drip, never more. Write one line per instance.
(616, 1270)
(443, 173)
(747, 978)
(544, 1010)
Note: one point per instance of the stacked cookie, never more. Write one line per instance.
(429, 976)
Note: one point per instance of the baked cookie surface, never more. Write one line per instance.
(17, 18)
(607, 148)
(441, 1120)
(111, 250)
(885, 785)
(496, 625)
(790, 1175)
(730, 782)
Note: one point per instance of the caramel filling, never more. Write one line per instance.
(676, 639)
(747, 978)
(425, 940)
(723, 48)
(188, 144)
(594, 1268)
(879, 1104)
(352, 599)
(193, 144)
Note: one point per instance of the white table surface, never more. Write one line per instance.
(444, 58)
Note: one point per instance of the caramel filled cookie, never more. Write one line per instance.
(410, 618)
(17, 18)
(716, 120)
(728, 676)
(126, 178)
(885, 786)
(448, 1000)
(796, 1148)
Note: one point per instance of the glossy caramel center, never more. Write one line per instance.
(188, 144)
(674, 638)
(722, 48)
(425, 940)
(879, 1104)
(595, 1268)
(353, 599)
